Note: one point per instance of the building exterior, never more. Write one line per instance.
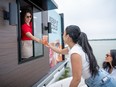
(15, 72)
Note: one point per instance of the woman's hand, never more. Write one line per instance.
(49, 45)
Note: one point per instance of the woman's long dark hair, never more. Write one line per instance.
(106, 65)
(81, 38)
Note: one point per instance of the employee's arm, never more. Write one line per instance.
(33, 37)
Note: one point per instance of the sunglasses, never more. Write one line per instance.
(28, 16)
(107, 55)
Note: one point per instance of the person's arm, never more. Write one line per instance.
(58, 50)
(33, 37)
(76, 70)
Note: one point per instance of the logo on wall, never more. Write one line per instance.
(54, 24)
(55, 37)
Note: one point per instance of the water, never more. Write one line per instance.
(101, 47)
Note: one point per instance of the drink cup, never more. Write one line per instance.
(45, 40)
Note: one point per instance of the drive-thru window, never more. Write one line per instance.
(37, 30)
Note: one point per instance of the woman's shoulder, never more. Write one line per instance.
(30, 23)
(114, 69)
(24, 25)
(76, 49)
(113, 72)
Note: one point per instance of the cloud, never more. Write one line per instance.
(95, 17)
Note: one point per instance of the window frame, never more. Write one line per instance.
(19, 32)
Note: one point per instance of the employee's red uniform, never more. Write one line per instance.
(25, 28)
(26, 46)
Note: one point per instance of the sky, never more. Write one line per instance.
(97, 18)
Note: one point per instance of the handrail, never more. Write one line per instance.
(43, 82)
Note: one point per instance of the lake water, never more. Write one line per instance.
(101, 47)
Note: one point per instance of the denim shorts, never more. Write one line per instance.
(102, 79)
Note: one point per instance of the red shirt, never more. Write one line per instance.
(24, 29)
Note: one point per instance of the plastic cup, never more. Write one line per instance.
(45, 40)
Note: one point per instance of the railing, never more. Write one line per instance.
(45, 81)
